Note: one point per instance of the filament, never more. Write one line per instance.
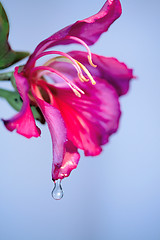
(45, 68)
(64, 55)
(86, 46)
(83, 79)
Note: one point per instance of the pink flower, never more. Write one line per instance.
(80, 100)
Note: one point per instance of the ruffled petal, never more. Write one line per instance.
(65, 155)
(115, 72)
(70, 162)
(57, 130)
(88, 30)
(24, 121)
(91, 119)
(109, 68)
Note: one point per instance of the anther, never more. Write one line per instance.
(90, 62)
(87, 73)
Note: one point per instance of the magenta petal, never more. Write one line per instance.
(24, 121)
(88, 30)
(58, 133)
(91, 119)
(65, 155)
(70, 161)
(115, 72)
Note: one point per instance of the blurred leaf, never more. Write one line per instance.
(7, 56)
(14, 99)
(9, 76)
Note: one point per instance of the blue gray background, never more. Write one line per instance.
(115, 196)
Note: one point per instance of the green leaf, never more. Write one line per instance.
(7, 56)
(14, 99)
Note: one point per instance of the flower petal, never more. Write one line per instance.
(65, 155)
(24, 121)
(70, 162)
(57, 130)
(88, 30)
(115, 72)
(91, 119)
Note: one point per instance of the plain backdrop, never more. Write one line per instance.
(115, 196)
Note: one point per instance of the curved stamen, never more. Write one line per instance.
(86, 46)
(45, 68)
(55, 59)
(80, 74)
(80, 65)
(87, 72)
(73, 89)
(49, 92)
(64, 59)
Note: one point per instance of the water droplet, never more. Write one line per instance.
(57, 192)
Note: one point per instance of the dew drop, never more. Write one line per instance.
(57, 192)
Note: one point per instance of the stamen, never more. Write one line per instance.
(90, 61)
(65, 55)
(55, 59)
(60, 53)
(87, 72)
(81, 77)
(65, 59)
(86, 46)
(45, 68)
(75, 92)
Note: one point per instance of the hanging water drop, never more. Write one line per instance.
(57, 192)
